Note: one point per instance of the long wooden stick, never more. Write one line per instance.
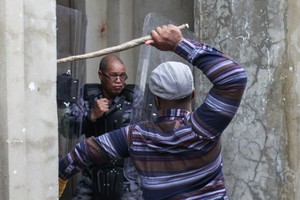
(118, 48)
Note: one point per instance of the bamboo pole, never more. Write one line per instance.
(114, 49)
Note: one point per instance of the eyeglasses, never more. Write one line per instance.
(114, 77)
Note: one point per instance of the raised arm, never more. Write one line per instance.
(227, 76)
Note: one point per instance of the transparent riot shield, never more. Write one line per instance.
(71, 28)
(149, 58)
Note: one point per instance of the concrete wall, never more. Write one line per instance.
(292, 96)
(28, 124)
(114, 22)
(261, 155)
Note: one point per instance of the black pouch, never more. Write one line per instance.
(107, 183)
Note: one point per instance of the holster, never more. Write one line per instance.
(107, 183)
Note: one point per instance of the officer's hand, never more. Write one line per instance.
(62, 185)
(101, 106)
(165, 38)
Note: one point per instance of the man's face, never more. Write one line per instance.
(113, 79)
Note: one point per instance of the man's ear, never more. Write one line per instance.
(157, 102)
(193, 95)
(100, 75)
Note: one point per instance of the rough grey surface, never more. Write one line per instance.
(255, 144)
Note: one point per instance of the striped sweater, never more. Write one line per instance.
(178, 155)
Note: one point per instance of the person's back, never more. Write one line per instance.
(173, 162)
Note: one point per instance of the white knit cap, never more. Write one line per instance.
(171, 81)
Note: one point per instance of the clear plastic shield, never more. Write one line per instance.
(71, 28)
(149, 58)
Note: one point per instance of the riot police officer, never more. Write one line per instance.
(108, 107)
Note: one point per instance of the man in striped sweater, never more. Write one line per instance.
(178, 156)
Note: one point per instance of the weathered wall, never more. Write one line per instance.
(28, 122)
(260, 151)
(111, 22)
(292, 94)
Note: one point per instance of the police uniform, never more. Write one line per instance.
(105, 182)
